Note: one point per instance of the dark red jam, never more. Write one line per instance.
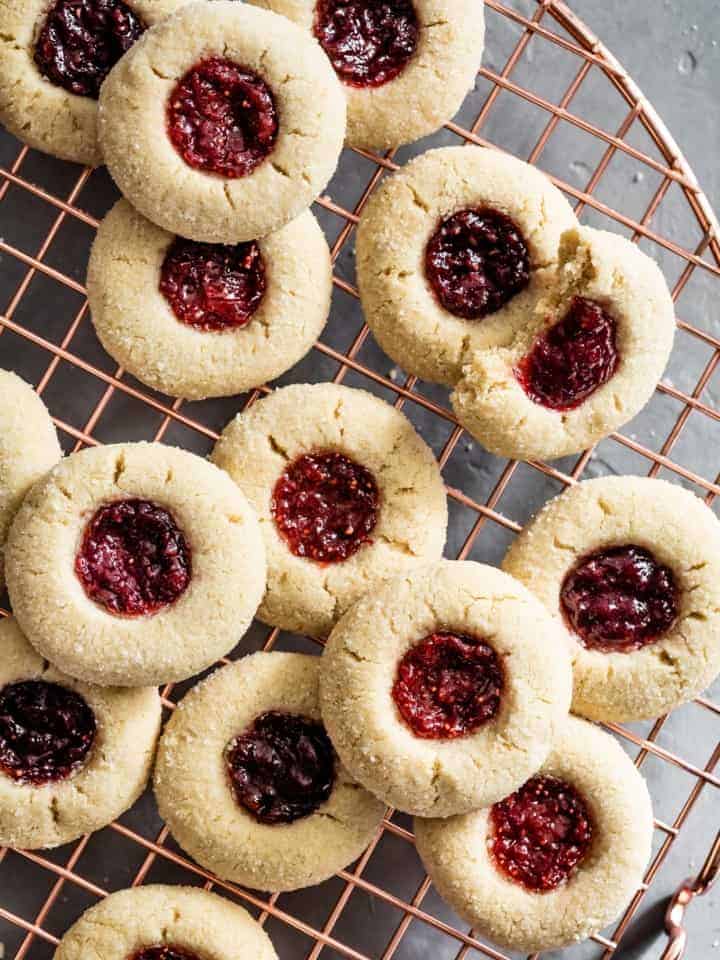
(82, 40)
(540, 834)
(619, 599)
(448, 685)
(368, 42)
(212, 286)
(222, 118)
(165, 952)
(572, 359)
(282, 768)
(46, 731)
(476, 261)
(325, 506)
(133, 559)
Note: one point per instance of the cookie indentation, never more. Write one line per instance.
(222, 118)
(213, 286)
(133, 559)
(368, 42)
(620, 599)
(46, 731)
(540, 834)
(282, 768)
(165, 952)
(572, 359)
(326, 506)
(82, 40)
(448, 685)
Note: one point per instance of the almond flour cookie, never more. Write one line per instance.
(442, 689)
(453, 252)
(557, 860)
(249, 784)
(632, 566)
(405, 65)
(134, 564)
(158, 922)
(28, 448)
(200, 320)
(586, 361)
(346, 492)
(73, 756)
(54, 57)
(223, 123)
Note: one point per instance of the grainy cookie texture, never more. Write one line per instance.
(457, 855)
(186, 918)
(112, 775)
(681, 533)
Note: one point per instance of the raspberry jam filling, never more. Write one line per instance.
(222, 118)
(368, 42)
(212, 286)
(448, 685)
(133, 559)
(282, 768)
(165, 952)
(46, 731)
(476, 261)
(619, 599)
(325, 506)
(82, 40)
(572, 359)
(540, 834)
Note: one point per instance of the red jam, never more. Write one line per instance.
(133, 559)
(46, 731)
(368, 42)
(572, 359)
(82, 40)
(619, 599)
(476, 261)
(325, 506)
(282, 768)
(211, 286)
(540, 834)
(448, 685)
(165, 952)
(222, 118)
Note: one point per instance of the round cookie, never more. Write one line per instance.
(207, 320)
(346, 492)
(73, 756)
(406, 66)
(498, 870)
(133, 564)
(248, 782)
(442, 688)
(586, 361)
(159, 922)
(433, 285)
(28, 448)
(223, 123)
(632, 565)
(54, 54)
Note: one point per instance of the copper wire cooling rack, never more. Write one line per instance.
(545, 77)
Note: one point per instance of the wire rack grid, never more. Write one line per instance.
(381, 907)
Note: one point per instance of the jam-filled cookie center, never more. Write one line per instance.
(134, 558)
(448, 685)
(572, 359)
(222, 118)
(325, 506)
(476, 261)
(164, 952)
(282, 768)
(619, 599)
(80, 41)
(540, 834)
(213, 286)
(368, 42)
(46, 731)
